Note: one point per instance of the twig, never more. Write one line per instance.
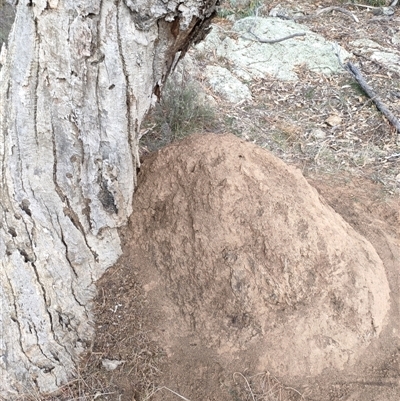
(293, 389)
(166, 388)
(272, 41)
(247, 382)
(374, 97)
(362, 5)
(395, 156)
(329, 9)
(378, 10)
(371, 7)
(340, 9)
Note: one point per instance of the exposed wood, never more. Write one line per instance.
(374, 97)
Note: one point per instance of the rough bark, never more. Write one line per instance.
(77, 79)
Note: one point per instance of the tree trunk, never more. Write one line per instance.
(77, 79)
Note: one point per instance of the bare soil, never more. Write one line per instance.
(184, 319)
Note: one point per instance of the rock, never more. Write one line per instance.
(259, 60)
(396, 38)
(318, 133)
(184, 69)
(204, 98)
(387, 11)
(210, 43)
(333, 120)
(225, 84)
(280, 12)
(249, 263)
(252, 60)
(110, 365)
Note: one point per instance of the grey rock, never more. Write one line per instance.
(227, 85)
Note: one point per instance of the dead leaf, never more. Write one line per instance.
(333, 120)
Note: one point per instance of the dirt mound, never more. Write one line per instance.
(248, 263)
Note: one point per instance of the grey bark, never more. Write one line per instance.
(76, 81)
(6, 20)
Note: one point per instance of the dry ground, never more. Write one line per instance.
(128, 323)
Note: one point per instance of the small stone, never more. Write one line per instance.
(333, 120)
(110, 364)
(318, 133)
(225, 84)
(280, 12)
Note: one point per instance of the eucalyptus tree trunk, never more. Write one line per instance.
(77, 78)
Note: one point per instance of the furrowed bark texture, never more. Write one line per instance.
(76, 82)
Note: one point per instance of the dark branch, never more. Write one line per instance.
(272, 41)
(374, 97)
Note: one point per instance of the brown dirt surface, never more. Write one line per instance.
(189, 313)
(249, 254)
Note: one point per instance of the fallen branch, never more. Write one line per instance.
(386, 11)
(272, 41)
(362, 5)
(371, 7)
(329, 9)
(374, 97)
(395, 156)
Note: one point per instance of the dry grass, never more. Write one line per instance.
(181, 111)
(263, 387)
(239, 9)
